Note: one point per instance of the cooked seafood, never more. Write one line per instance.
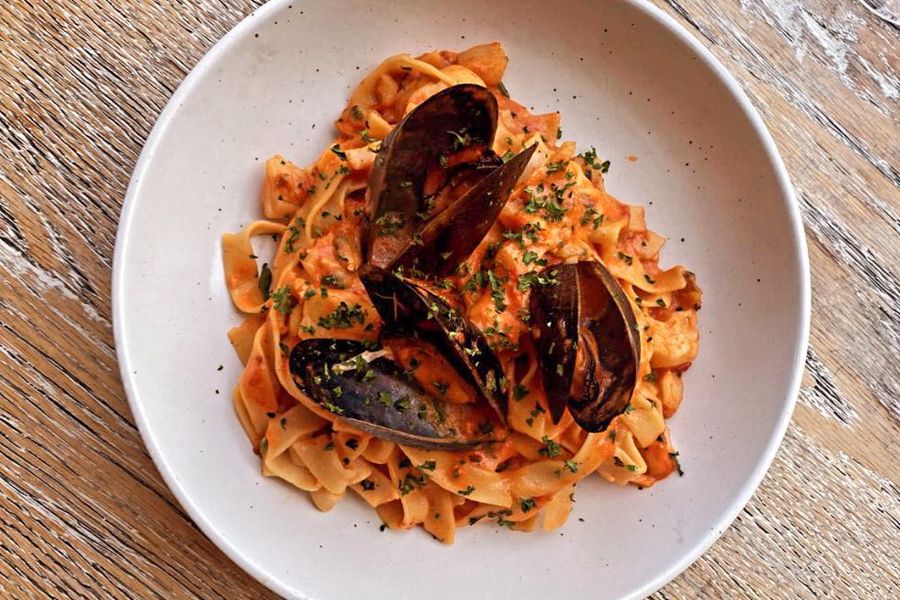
(588, 344)
(459, 323)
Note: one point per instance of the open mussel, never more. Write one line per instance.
(407, 307)
(588, 341)
(448, 239)
(437, 187)
(400, 390)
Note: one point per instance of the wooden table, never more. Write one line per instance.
(84, 511)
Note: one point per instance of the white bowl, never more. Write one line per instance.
(628, 80)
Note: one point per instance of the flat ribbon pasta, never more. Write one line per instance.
(558, 212)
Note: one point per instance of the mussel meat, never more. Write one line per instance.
(588, 340)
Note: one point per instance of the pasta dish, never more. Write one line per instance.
(458, 323)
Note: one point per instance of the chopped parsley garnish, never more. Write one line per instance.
(519, 391)
(265, 280)
(530, 230)
(504, 522)
(343, 317)
(391, 223)
(625, 257)
(364, 135)
(507, 156)
(385, 398)
(527, 504)
(497, 292)
(552, 209)
(550, 448)
(593, 216)
(411, 482)
(590, 159)
(283, 300)
(332, 281)
(333, 408)
(553, 167)
(515, 235)
(428, 465)
(442, 387)
(526, 280)
(295, 228)
(367, 485)
(532, 257)
(340, 153)
(469, 489)
(537, 410)
(651, 376)
(502, 89)
(571, 466)
(357, 113)
(559, 192)
(478, 280)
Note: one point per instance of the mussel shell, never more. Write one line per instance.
(447, 240)
(588, 344)
(405, 305)
(378, 397)
(414, 146)
(554, 313)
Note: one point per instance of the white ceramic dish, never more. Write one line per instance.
(628, 80)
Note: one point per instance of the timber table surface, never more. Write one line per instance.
(83, 510)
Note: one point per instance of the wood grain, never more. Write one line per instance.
(84, 512)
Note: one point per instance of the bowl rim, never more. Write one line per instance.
(118, 298)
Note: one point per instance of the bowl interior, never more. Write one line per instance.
(626, 83)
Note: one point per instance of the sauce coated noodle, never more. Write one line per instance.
(558, 212)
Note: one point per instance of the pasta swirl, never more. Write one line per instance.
(558, 212)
